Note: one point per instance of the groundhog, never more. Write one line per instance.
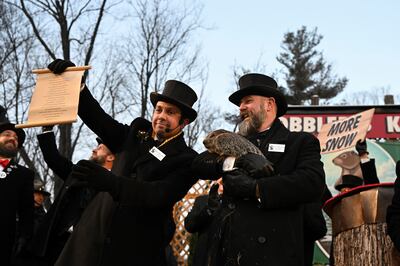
(226, 143)
(229, 144)
(349, 161)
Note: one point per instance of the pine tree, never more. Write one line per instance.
(306, 71)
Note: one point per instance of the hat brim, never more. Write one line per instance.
(20, 132)
(350, 182)
(280, 99)
(187, 111)
(99, 141)
(42, 192)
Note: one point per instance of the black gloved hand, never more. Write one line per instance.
(361, 147)
(95, 175)
(207, 165)
(21, 247)
(398, 169)
(256, 165)
(238, 184)
(58, 66)
(213, 198)
(47, 128)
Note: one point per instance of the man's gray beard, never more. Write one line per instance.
(246, 128)
(251, 125)
(7, 153)
(100, 160)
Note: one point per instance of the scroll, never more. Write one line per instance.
(55, 98)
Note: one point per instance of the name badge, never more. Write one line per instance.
(157, 153)
(276, 147)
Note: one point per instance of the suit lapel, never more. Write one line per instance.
(131, 151)
(9, 169)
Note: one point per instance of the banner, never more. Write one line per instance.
(383, 125)
(345, 133)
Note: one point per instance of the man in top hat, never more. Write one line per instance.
(262, 221)
(16, 192)
(129, 222)
(70, 202)
(39, 197)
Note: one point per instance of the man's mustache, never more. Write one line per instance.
(245, 114)
(11, 141)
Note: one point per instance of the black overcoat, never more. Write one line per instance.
(198, 222)
(16, 194)
(393, 215)
(271, 231)
(68, 205)
(131, 225)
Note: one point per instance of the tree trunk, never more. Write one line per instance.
(365, 245)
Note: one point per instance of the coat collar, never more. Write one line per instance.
(277, 134)
(9, 169)
(170, 148)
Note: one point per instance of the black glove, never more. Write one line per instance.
(207, 166)
(95, 175)
(256, 165)
(239, 184)
(21, 247)
(361, 147)
(398, 169)
(58, 66)
(213, 198)
(47, 128)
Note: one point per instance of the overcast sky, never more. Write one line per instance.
(360, 38)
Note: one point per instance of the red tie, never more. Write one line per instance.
(4, 162)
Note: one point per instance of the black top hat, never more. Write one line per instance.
(6, 125)
(180, 94)
(259, 84)
(350, 181)
(99, 141)
(38, 186)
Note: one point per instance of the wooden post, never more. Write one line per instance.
(359, 227)
(367, 245)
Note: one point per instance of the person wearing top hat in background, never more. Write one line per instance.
(129, 222)
(69, 203)
(262, 219)
(39, 197)
(16, 191)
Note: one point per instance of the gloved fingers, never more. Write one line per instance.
(250, 160)
(233, 175)
(361, 146)
(58, 66)
(361, 142)
(52, 65)
(266, 171)
(213, 189)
